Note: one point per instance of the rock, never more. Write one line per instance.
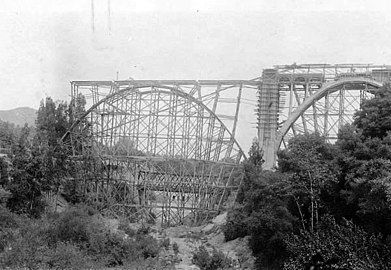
(208, 228)
(220, 219)
(187, 267)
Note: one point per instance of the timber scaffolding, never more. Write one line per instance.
(167, 149)
(158, 149)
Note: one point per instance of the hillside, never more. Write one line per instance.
(19, 116)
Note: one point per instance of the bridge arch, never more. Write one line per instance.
(155, 149)
(144, 90)
(363, 83)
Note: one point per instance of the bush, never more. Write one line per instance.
(89, 232)
(69, 256)
(214, 261)
(144, 230)
(28, 246)
(77, 226)
(148, 245)
(175, 248)
(7, 219)
(236, 225)
(75, 239)
(8, 222)
(166, 243)
(346, 246)
(125, 227)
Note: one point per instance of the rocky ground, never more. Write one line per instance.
(188, 239)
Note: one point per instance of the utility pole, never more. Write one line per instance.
(92, 17)
(108, 16)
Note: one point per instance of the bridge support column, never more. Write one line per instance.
(268, 107)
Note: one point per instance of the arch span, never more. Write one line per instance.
(121, 94)
(155, 151)
(327, 88)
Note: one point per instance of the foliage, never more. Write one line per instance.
(374, 117)
(38, 163)
(308, 162)
(165, 243)
(124, 226)
(28, 247)
(87, 230)
(76, 239)
(69, 256)
(26, 187)
(214, 261)
(261, 212)
(364, 188)
(8, 133)
(326, 204)
(175, 248)
(52, 123)
(236, 225)
(340, 246)
(8, 222)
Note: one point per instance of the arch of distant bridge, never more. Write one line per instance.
(327, 88)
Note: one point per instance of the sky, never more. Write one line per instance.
(48, 43)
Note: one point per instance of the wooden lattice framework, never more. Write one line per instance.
(167, 148)
(157, 150)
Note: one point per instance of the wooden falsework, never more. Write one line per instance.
(146, 150)
(169, 148)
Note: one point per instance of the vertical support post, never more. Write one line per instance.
(326, 115)
(342, 107)
(268, 107)
(238, 100)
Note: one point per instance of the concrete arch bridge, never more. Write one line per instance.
(296, 99)
(168, 150)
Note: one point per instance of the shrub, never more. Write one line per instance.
(69, 256)
(28, 246)
(166, 243)
(175, 248)
(236, 225)
(144, 230)
(89, 232)
(7, 219)
(214, 261)
(124, 226)
(149, 264)
(148, 245)
(8, 222)
(74, 226)
(344, 245)
(75, 239)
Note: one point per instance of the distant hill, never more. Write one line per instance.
(19, 116)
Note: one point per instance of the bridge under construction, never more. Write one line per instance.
(167, 150)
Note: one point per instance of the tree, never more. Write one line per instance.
(364, 188)
(261, 212)
(39, 164)
(374, 117)
(52, 123)
(26, 187)
(7, 140)
(308, 160)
